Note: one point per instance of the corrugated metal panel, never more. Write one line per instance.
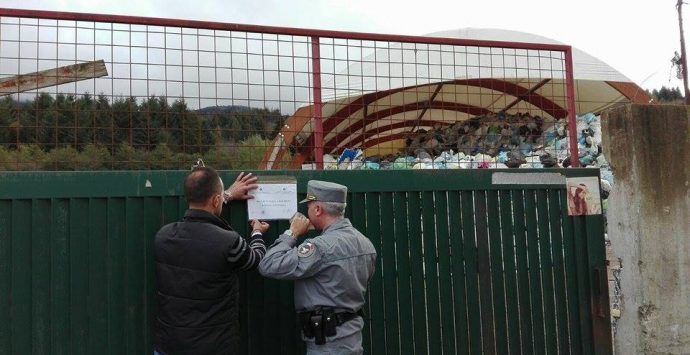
(464, 266)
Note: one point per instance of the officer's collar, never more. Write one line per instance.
(341, 223)
(194, 215)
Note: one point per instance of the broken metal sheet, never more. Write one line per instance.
(52, 77)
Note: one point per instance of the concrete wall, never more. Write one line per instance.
(648, 147)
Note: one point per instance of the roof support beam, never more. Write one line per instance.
(413, 106)
(524, 96)
(426, 107)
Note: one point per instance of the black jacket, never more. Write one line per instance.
(197, 264)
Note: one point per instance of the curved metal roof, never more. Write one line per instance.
(516, 82)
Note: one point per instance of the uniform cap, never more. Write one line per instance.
(325, 191)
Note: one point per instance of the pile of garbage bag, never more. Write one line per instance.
(497, 141)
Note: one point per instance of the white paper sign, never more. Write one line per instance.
(273, 201)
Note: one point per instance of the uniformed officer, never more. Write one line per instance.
(331, 271)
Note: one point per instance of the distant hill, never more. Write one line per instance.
(270, 117)
(223, 109)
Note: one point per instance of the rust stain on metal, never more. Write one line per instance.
(52, 77)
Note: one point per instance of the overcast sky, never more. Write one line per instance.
(636, 37)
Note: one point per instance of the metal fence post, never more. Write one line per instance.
(318, 119)
(570, 104)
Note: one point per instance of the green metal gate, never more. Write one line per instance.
(466, 264)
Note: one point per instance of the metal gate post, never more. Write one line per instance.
(318, 117)
(570, 104)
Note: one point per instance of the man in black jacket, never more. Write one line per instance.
(198, 261)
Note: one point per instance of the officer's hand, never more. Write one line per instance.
(239, 190)
(299, 224)
(259, 226)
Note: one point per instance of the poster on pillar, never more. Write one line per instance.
(584, 196)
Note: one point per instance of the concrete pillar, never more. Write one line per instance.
(648, 147)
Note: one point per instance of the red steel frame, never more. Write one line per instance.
(315, 35)
(318, 115)
(570, 98)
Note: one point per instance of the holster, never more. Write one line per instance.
(317, 328)
(305, 322)
(319, 324)
(330, 322)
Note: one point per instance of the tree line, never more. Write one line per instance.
(68, 132)
(667, 95)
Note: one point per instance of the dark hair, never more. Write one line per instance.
(201, 184)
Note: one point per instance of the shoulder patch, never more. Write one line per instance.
(305, 250)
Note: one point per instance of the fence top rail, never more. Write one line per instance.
(103, 184)
(209, 25)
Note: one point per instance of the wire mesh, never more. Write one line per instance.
(416, 105)
(94, 94)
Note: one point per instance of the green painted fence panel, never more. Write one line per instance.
(523, 294)
(416, 259)
(79, 278)
(59, 276)
(115, 272)
(153, 219)
(484, 271)
(498, 272)
(469, 238)
(460, 308)
(534, 273)
(430, 255)
(376, 295)
(134, 288)
(561, 306)
(466, 265)
(444, 272)
(40, 275)
(584, 301)
(21, 296)
(359, 220)
(402, 263)
(390, 288)
(572, 291)
(510, 269)
(5, 272)
(546, 266)
(97, 299)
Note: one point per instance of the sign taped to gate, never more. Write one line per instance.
(274, 199)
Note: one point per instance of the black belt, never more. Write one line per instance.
(322, 321)
(343, 317)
